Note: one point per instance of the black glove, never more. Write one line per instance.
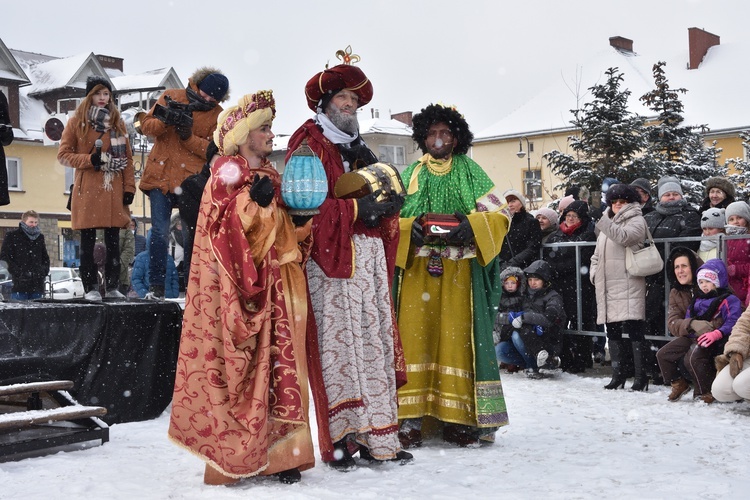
(184, 132)
(395, 202)
(261, 192)
(461, 234)
(96, 161)
(369, 210)
(301, 220)
(127, 198)
(417, 232)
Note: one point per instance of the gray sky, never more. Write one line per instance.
(486, 57)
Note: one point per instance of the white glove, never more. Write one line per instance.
(517, 322)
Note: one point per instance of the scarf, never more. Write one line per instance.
(118, 158)
(730, 229)
(670, 207)
(351, 147)
(32, 232)
(708, 244)
(196, 102)
(569, 230)
(99, 118)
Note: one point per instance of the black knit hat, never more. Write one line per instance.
(622, 192)
(93, 81)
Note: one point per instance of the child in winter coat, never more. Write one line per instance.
(714, 310)
(511, 301)
(738, 251)
(712, 223)
(537, 329)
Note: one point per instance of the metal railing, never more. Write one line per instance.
(668, 243)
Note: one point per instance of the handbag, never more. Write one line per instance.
(645, 261)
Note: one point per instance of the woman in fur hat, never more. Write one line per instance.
(95, 143)
(241, 398)
(621, 297)
(719, 193)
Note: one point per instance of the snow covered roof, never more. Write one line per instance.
(9, 67)
(715, 94)
(65, 72)
(383, 126)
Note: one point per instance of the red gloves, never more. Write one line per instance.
(709, 338)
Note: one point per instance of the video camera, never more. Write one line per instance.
(175, 113)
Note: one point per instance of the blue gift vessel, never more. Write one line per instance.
(303, 184)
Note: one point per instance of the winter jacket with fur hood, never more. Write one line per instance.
(680, 296)
(171, 159)
(619, 296)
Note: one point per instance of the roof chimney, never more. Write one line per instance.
(110, 62)
(403, 117)
(699, 41)
(622, 44)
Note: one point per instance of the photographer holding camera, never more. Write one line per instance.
(182, 123)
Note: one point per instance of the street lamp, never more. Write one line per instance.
(521, 153)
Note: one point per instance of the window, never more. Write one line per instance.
(13, 165)
(70, 175)
(532, 181)
(395, 155)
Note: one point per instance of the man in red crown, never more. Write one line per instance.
(355, 356)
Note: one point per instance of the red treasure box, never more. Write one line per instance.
(435, 227)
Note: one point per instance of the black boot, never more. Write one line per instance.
(342, 459)
(639, 365)
(618, 377)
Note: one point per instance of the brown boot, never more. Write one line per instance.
(679, 388)
(410, 439)
(708, 398)
(214, 477)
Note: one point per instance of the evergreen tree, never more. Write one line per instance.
(673, 148)
(740, 168)
(609, 139)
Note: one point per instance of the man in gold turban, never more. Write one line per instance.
(241, 399)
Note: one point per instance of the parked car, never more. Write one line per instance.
(66, 284)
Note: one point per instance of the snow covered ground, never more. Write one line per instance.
(568, 438)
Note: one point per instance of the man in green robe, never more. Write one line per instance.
(447, 289)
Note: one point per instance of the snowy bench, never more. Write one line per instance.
(36, 428)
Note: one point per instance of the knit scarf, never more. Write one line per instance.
(730, 229)
(708, 244)
(196, 102)
(32, 232)
(99, 118)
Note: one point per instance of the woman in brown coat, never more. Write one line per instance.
(620, 297)
(104, 181)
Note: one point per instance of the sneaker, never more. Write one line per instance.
(541, 358)
(533, 373)
(114, 294)
(155, 292)
(93, 295)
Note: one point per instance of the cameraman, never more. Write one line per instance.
(182, 124)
